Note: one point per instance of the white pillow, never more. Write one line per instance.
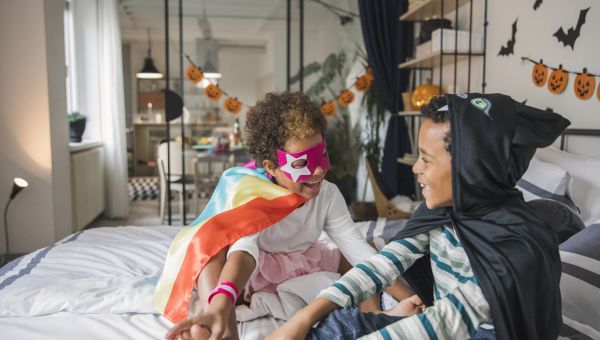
(543, 180)
(584, 186)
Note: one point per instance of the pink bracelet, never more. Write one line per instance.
(226, 287)
(220, 290)
(230, 284)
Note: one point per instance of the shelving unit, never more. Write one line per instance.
(431, 8)
(433, 59)
(442, 57)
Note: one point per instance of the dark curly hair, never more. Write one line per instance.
(431, 111)
(278, 118)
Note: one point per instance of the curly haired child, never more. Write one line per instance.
(285, 135)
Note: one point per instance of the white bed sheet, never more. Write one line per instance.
(99, 283)
(66, 325)
(95, 284)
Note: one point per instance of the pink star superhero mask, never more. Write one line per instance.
(301, 166)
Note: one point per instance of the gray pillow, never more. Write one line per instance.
(580, 284)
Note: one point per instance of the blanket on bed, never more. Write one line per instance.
(245, 201)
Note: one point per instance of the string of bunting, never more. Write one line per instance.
(558, 79)
(234, 105)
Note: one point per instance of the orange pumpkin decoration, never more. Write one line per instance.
(213, 92)
(233, 105)
(423, 94)
(584, 85)
(539, 74)
(194, 74)
(362, 83)
(558, 80)
(346, 97)
(328, 108)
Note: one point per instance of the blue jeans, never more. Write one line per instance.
(351, 323)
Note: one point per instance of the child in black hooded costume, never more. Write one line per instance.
(508, 275)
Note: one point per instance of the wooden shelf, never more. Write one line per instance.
(432, 60)
(408, 159)
(431, 8)
(409, 113)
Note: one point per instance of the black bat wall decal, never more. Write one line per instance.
(509, 48)
(537, 4)
(568, 39)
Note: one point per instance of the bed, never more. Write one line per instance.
(98, 283)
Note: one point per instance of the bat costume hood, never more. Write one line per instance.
(513, 252)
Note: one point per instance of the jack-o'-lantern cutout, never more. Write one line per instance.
(346, 97)
(584, 85)
(362, 83)
(213, 92)
(558, 80)
(194, 74)
(232, 105)
(328, 108)
(539, 74)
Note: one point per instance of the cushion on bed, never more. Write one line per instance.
(547, 181)
(580, 282)
(584, 186)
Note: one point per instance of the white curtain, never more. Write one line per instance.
(112, 109)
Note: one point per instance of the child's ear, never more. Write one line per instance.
(270, 166)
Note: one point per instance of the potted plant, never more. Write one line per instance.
(76, 126)
(343, 140)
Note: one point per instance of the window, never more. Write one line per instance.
(71, 79)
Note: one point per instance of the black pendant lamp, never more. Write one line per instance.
(149, 71)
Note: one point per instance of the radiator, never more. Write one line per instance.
(87, 183)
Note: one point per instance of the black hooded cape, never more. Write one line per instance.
(513, 252)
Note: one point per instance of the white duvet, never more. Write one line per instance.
(114, 271)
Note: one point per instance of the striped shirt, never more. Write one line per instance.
(459, 308)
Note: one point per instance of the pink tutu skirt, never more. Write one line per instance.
(275, 268)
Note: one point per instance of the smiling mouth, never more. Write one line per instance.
(425, 187)
(313, 184)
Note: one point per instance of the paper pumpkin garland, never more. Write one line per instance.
(584, 85)
(328, 108)
(362, 83)
(346, 97)
(539, 74)
(194, 74)
(233, 105)
(213, 92)
(557, 83)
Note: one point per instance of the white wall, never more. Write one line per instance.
(33, 122)
(534, 39)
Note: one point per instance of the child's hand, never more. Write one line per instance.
(212, 324)
(407, 307)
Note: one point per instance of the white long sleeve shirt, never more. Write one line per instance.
(296, 232)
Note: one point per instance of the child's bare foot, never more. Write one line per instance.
(407, 307)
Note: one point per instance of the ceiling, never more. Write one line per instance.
(239, 21)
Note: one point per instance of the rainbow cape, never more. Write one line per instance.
(245, 201)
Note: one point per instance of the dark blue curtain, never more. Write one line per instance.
(389, 42)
